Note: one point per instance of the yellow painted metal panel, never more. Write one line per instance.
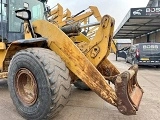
(75, 60)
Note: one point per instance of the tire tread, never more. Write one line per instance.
(58, 77)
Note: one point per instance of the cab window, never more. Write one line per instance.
(36, 8)
(14, 22)
(3, 12)
(37, 14)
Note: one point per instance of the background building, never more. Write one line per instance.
(141, 24)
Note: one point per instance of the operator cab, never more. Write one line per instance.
(11, 27)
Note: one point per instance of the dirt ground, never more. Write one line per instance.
(86, 105)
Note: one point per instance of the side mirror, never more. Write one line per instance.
(23, 14)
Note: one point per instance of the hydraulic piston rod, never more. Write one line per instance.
(90, 25)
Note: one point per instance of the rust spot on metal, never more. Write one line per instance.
(106, 68)
(122, 109)
(119, 80)
(26, 87)
(128, 91)
(3, 75)
(94, 52)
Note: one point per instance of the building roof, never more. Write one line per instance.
(150, 3)
(139, 22)
(123, 41)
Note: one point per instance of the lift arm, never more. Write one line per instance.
(81, 17)
(126, 86)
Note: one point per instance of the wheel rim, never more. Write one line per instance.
(26, 87)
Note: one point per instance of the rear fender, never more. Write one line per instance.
(22, 44)
(19, 45)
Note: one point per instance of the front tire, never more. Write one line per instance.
(81, 85)
(39, 83)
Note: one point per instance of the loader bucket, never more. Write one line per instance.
(128, 91)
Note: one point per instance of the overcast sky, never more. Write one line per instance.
(115, 8)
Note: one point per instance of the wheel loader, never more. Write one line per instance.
(40, 69)
(61, 18)
(54, 16)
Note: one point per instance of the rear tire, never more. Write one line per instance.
(81, 85)
(50, 82)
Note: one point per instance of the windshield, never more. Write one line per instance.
(35, 7)
(3, 12)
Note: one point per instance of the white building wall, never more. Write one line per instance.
(152, 38)
(158, 37)
(140, 40)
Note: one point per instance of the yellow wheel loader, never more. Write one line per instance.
(41, 68)
(55, 14)
(81, 18)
